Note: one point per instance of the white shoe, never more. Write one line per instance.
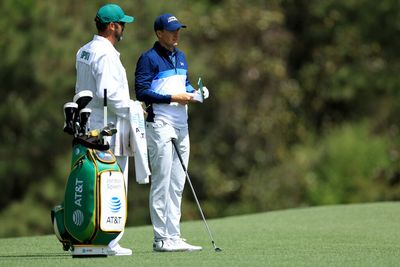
(179, 244)
(117, 250)
(163, 245)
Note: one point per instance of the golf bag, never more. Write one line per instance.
(94, 208)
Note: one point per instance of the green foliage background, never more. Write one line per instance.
(303, 110)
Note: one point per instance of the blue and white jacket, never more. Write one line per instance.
(157, 78)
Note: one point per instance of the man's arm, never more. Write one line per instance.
(144, 76)
(189, 87)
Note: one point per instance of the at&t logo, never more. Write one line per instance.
(115, 204)
(77, 217)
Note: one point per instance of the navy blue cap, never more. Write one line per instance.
(167, 22)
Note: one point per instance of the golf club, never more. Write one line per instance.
(70, 111)
(84, 115)
(108, 130)
(81, 99)
(217, 249)
(105, 114)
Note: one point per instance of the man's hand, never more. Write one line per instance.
(183, 98)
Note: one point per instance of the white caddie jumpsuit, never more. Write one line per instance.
(98, 66)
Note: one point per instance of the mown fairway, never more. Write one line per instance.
(347, 235)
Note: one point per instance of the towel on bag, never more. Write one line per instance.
(130, 141)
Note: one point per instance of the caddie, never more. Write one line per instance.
(98, 67)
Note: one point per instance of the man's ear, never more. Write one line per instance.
(112, 26)
(158, 33)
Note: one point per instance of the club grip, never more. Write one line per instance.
(105, 111)
(105, 97)
(178, 153)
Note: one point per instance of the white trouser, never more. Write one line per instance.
(168, 177)
(123, 163)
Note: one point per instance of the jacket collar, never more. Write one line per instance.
(106, 42)
(162, 50)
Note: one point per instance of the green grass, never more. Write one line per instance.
(345, 235)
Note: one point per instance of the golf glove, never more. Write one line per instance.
(206, 93)
(198, 97)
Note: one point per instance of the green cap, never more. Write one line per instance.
(113, 13)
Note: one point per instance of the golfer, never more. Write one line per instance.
(161, 81)
(99, 67)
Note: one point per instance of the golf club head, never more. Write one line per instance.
(217, 249)
(83, 98)
(70, 112)
(110, 128)
(84, 115)
(108, 132)
(111, 125)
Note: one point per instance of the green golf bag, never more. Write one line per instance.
(94, 208)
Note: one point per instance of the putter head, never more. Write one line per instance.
(83, 98)
(218, 249)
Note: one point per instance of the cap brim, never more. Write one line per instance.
(175, 27)
(127, 19)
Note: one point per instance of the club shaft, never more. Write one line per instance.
(194, 193)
